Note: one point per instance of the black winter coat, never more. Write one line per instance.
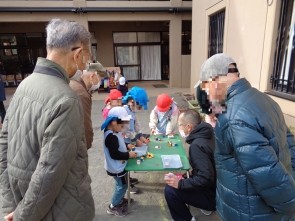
(201, 158)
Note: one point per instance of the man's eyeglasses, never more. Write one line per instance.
(181, 124)
(75, 48)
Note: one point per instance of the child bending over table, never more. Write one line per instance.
(136, 98)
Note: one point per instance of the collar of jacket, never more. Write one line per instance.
(203, 130)
(51, 64)
(238, 87)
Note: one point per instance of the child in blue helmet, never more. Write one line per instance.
(135, 99)
(116, 157)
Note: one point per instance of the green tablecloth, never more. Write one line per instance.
(155, 163)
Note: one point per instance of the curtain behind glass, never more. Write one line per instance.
(131, 73)
(125, 37)
(127, 55)
(148, 37)
(151, 62)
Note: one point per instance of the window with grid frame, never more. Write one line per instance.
(216, 33)
(283, 77)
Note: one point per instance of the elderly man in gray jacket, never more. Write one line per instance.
(43, 155)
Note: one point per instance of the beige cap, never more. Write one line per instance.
(97, 67)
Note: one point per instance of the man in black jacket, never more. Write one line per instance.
(199, 189)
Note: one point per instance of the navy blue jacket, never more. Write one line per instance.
(254, 148)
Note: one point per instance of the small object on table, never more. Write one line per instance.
(174, 144)
(169, 144)
(158, 147)
(158, 139)
(142, 158)
(163, 136)
(133, 149)
(138, 162)
(170, 136)
(149, 155)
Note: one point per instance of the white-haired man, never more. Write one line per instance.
(44, 161)
(89, 81)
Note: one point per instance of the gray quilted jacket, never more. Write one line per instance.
(43, 155)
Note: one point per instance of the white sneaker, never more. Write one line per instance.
(206, 212)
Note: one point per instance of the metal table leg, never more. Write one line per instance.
(128, 191)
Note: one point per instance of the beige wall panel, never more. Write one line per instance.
(185, 70)
(37, 16)
(245, 37)
(128, 4)
(198, 37)
(175, 51)
(290, 120)
(104, 36)
(23, 4)
(287, 107)
(128, 16)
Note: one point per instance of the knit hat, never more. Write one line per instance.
(164, 102)
(217, 65)
(122, 81)
(114, 95)
(139, 95)
(98, 68)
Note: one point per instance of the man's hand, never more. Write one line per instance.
(138, 143)
(9, 217)
(171, 180)
(132, 154)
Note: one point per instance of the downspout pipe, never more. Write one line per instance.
(99, 9)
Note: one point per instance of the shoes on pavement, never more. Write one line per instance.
(117, 211)
(133, 189)
(124, 202)
(133, 180)
(206, 212)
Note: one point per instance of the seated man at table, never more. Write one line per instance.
(199, 189)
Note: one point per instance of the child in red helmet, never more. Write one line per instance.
(163, 118)
(114, 99)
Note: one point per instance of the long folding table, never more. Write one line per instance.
(155, 163)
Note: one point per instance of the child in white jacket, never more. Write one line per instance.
(163, 118)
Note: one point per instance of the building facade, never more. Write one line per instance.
(258, 35)
(148, 40)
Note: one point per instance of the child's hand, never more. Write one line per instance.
(138, 143)
(132, 154)
(153, 131)
(130, 146)
(144, 140)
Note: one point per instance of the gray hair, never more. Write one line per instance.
(191, 117)
(63, 35)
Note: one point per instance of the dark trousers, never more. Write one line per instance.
(2, 111)
(177, 201)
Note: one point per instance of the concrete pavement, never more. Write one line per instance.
(150, 204)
